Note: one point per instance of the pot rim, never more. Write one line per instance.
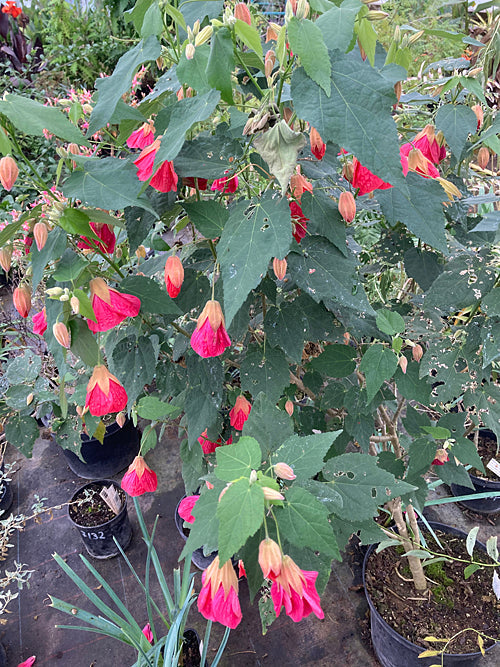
(104, 482)
(111, 429)
(374, 610)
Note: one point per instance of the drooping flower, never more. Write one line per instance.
(142, 137)
(186, 508)
(146, 631)
(139, 478)
(218, 598)
(478, 110)
(105, 393)
(417, 162)
(299, 221)
(226, 184)
(347, 206)
(299, 184)
(40, 322)
(441, 457)
(105, 233)
(295, 589)
(165, 179)
(30, 661)
(22, 300)
(6, 257)
(239, 413)
(428, 143)
(210, 338)
(365, 180)
(279, 268)
(11, 8)
(270, 558)
(241, 569)
(174, 275)
(208, 446)
(483, 157)
(110, 306)
(318, 147)
(8, 168)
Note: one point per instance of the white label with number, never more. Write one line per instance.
(494, 465)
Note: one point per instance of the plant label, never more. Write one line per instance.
(111, 498)
(495, 466)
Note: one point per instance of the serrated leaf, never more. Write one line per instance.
(83, 342)
(378, 364)
(209, 217)
(205, 529)
(256, 232)
(324, 218)
(221, 64)
(153, 298)
(149, 440)
(337, 24)
(390, 322)
(134, 363)
(456, 121)
(84, 305)
(151, 407)
(53, 249)
(267, 424)
(204, 396)
(279, 147)
(192, 73)
(240, 513)
(284, 329)
(306, 41)
(265, 371)
(423, 266)
(411, 386)
(21, 433)
(238, 460)
(304, 521)
(69, 267)
(466, 452)
(305, 454)
(208, 156)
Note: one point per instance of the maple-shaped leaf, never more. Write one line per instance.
(279, 147)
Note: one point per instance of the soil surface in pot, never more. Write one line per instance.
(93, 512)
(487, 450)
(450, 604)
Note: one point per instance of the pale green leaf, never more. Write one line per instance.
(280, 147)
(306, 41)
(305, 454)
(378, 364)
(337, 24)
(240, 513)
(238, 460)
(456, 121)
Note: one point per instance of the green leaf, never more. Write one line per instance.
(267, 424)
(21, 433)
(324, 218)
(470, 569)
(69, 267)
(174, 13)
(221, 64)
(208, 157)
(183, 116)
(134, 363)
(153, 21)
(238, 460)
(279, 147)
(109, 183)
(304, 521)
(83, 342)
(153, 298)
(5, 145)
(249, 36)
(491, 303)
(423, 266)
(209, 217)
(337, 24)
(111, 88)
(240, 513)
(367, 34)
(437, 432)
(149, 440)
(255, 232)
(411, 386)
(205, 529)
(151, 407)
(355, 116)
(75, 221)
(10, 231)
(490, 333)
(200, 9)
(378, 364)
(192, 73)
(139, 222)
(53, 249)
(265, 371)
(390, 322)
(466, 452)
(471, 540)
(33, 118)
(418, 204)
(306, 41)
(456, 122)
(84, 305)
(362, 484)
(492, 548)
(204, 397)
(305, 454)
(325, 274)
(284, 329)
(336, 361)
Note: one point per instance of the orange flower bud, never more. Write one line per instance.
(347, 206)
(279, 268)
(270, 558)
(398, 89)
(289, 407)
(284, 471)
(242, 12)
(417, 352)
(120, 419)
(74, 149)
(271, 34)
(403, 363)
(22, 300)
(348, 171)
(483, 157)
(140, 253)
(271, 494)
(287, 115)
(477, 109)
(5, 258)
(61, 334)
(174, 275)
(40, 232)
(269, 62)
(8, 172)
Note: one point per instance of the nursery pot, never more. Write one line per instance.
(119, 448)
(191, 652)
(393, 650)
(99, 540)
(3, 656)
(198, 558)
(481, 485)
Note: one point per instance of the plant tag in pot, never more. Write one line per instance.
(494, 465)
(111, 498)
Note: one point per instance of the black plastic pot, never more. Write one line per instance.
(99, 540)
(3, 656)
(481, 485)
(393, 650)
(117, 451)
(198, 558)
(191, 648)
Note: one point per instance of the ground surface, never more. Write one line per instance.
(341, 639)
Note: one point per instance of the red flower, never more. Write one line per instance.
(40, 323)
(186, 508)
(218, 598)
(191, 182)
(241, 569)
(414, 160)
(22, 300)
(105, 393)
(105, 233)
(225, 184)
(110, 306)
(11, 8)
(428, 143)
(139, 478)
(441, 457)
(299, 184)
(296, 590)
(146, 631)
(239, 414)
(299, 221)
(174, 275)
(165, 178)
(210, 338)
(365, 180)
(209, 446)
(318, 147)
(142, 137)
(30, 661)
